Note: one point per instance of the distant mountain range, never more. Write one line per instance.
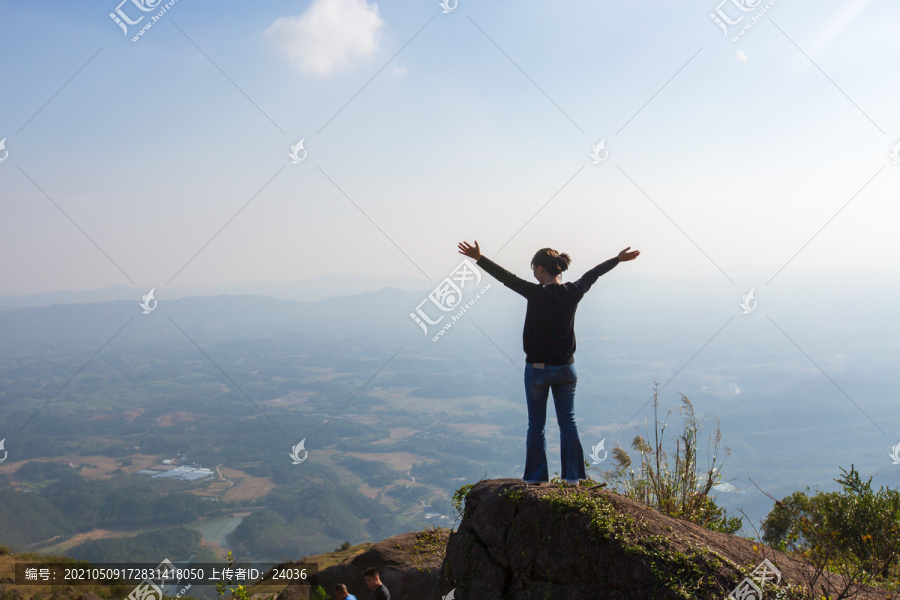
(619, 282)
(342, 303)
(304, 290)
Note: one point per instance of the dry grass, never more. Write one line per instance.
(103, 466)
(178, 416)
(245, 486)
(129, 415)
(94, 534)
(291, 399)
(401, 461)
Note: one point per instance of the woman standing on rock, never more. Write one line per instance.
(548, 339)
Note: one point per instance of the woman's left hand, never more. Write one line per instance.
(471, 252)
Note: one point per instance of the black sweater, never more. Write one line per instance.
(549, 333)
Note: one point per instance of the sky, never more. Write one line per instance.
(165, 159)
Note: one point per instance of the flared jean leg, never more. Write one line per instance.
(539, 382)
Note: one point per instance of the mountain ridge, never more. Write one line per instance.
(518, 542)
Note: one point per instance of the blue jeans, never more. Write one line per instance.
(538, 382)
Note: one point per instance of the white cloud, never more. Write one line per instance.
(741, 56)
(328, 36)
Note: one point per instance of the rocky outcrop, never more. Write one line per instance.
(528, 543)
(560, 543)
(408, 566)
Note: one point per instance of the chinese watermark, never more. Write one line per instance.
(751, 587)
(147, 589)
(447, 297)
(295, 452)
(147, 299)
(731, 21)
(894, 153)
(123, 19)
(599, 152)
(595, 452)
(448, 5)
(295, 153)
(748, 302)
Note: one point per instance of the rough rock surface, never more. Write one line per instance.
(528, 543)
(408, 566)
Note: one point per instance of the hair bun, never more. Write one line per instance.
(552, 261)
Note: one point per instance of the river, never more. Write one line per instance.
(215, 530)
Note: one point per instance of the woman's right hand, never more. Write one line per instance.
(470, 251)
(626, 255)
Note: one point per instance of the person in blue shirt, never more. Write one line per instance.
(548, 339)
(340, 592)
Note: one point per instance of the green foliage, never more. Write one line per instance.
(375, 473)
(38, 470)
(260, 523)
(688, 575)
(516, 494)
(410, 494)
(459, 498)
(429, 545)
(319, 593)
(177, 542)
(784, 527)
(316, 517)
(238, 592)
(680, 490)
(267, 533)
(29, 518)
(714, 517)
(855, 527)
(328, 506)
(67, 499)
(441, 505)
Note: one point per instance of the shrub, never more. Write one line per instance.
(856, 528)
(682, 490)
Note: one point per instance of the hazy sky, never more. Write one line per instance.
(165, 161)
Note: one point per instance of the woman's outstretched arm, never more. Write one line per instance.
(589, 278)
(508, 279)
